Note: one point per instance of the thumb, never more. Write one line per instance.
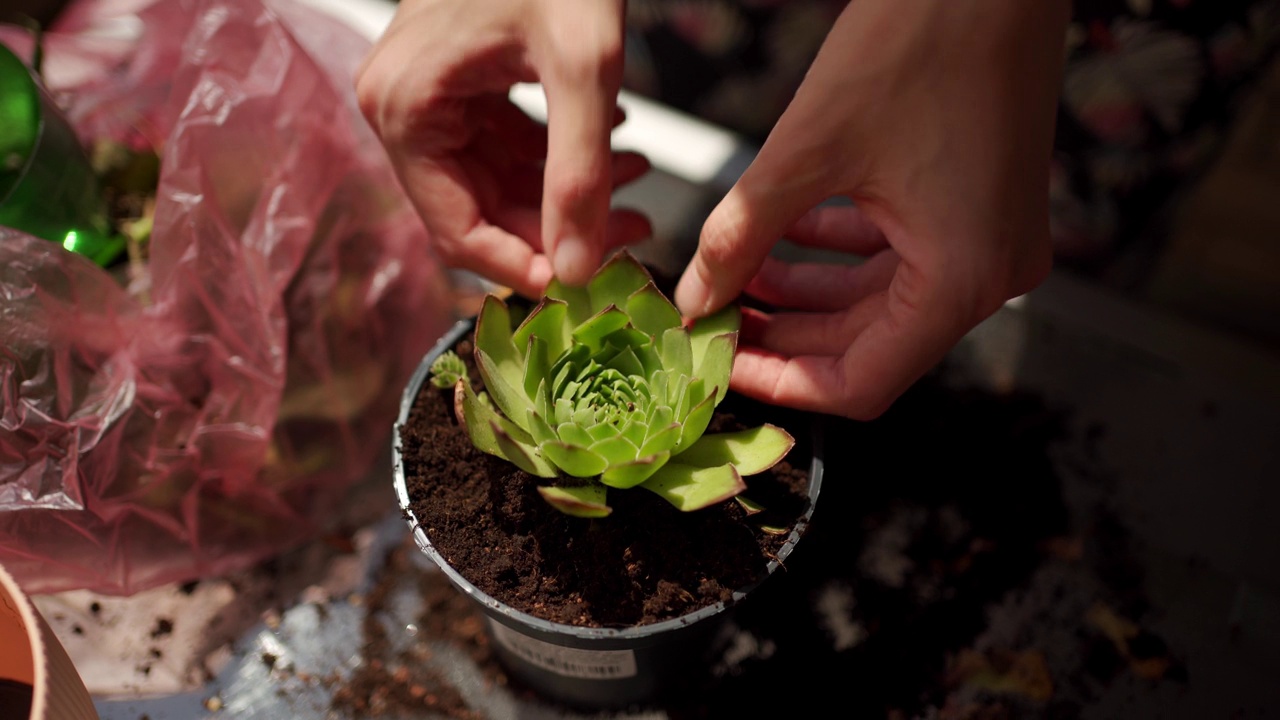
(774, 192)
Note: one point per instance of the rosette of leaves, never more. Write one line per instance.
(601, 387)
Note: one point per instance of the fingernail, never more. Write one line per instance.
(692, 295)
(572, 260)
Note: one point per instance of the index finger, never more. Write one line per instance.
(581, 85)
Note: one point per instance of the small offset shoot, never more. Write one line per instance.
(447, 370)
(602, 388)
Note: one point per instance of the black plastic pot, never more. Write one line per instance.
(592, 667)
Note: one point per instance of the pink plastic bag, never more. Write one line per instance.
(218, 409)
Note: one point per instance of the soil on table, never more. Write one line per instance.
(644, 563)
(388, 683)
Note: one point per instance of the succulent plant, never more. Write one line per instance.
(603, 387)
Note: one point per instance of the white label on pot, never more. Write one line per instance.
(569, 662)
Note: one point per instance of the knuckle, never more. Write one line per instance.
(449, 249)
(720, 235)
(580, 184)
(716, 252)
(595, 60)
(369, 93)
(609, 54)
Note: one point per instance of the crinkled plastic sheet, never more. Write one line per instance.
(217, 409)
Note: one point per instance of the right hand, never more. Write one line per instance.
(937, 119)
(504, 196)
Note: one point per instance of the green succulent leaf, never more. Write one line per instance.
(749, 506)
(626, 363)
(479, 419)
(662, 417)
(664, 440)
(525, 457)
(512, 402)
(573, 434)
(616, 280)
(574, 460)
(696, 393)
(566, 367)
(651, 312)
(493, 336)
(577, 299)
(650, 360)
(616, 450)
(564, 411)
(603, 431)
(635, 431)
(628, 337)
(549, 321)
(695, 423)
(537, 364)
(750, 451)
(677, 352)
(690, 488)
(629, 475)
(658, 391)
(542, 402)
(539, 428)
(677, 393)
(726, 320)
(717, 363)
(584, 501)
(592, 332)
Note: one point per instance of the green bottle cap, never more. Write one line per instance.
(47, 185)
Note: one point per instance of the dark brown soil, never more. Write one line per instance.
(388, 684)
(163, 627)
(645, 563)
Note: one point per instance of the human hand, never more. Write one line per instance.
(502, 194)
(937, 120)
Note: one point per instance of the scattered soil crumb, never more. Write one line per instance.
(388, 683)
(164, 626)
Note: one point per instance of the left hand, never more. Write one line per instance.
(503, 195)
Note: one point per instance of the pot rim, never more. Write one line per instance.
(633, 632)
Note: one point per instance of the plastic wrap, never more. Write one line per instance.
(217, 407)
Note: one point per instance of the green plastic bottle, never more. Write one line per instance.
(47, 185)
